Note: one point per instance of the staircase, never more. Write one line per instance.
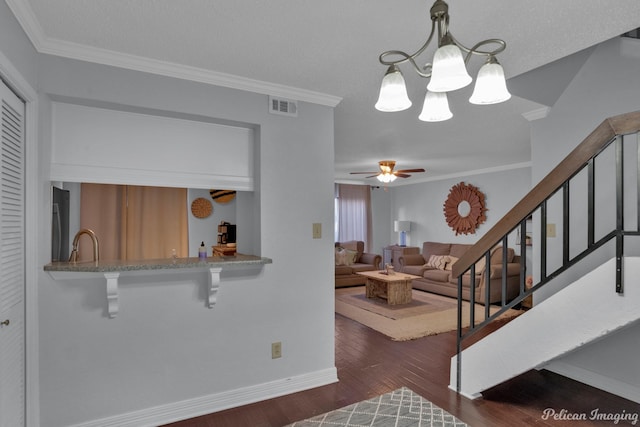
(577, 315)
(592, 223)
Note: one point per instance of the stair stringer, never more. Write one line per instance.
(582, 312)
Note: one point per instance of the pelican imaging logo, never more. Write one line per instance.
(594, 415)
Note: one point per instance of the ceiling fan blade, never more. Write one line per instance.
(402, 175)
(411, 170)
(357, 173)
(372, 176)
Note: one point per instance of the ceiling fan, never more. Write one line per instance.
(387, 174)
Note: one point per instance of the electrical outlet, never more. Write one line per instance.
(317, 230)
(276, 350)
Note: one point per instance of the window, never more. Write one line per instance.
(353, 213)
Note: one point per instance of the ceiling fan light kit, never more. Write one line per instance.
(447, 73)
(387, 174)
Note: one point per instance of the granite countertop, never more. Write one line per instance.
(237, 260)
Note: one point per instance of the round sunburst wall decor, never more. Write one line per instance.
(465, 208)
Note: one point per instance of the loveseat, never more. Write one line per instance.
(351, 258)
(434, 264)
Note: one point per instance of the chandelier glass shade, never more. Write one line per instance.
(435, 107)
(491, 87)
(447, 72)
(393, 92)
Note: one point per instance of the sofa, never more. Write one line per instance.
(434, 264)
(351, 258)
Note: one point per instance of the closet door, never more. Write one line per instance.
(12, 263)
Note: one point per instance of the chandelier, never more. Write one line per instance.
(448, 72)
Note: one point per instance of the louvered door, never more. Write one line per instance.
(12, 264)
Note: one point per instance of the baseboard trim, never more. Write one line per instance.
(473, 396)
(216, 402)
(596, 380)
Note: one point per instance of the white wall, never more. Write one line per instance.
(165, 347)
(16, 47)
(206, 229)
(605, 86)
(381, 209)
(422, 204)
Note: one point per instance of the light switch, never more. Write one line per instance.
(551, 230)
(317, 230)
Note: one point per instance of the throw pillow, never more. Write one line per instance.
(438, 261)
(341, 256)
(480, 265)
(452, 260)
(351, 256)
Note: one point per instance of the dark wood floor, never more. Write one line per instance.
(370, 364)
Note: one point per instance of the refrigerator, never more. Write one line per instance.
(60, 225)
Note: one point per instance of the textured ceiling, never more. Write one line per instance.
(331, 47)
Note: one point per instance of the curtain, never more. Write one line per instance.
(134, 222)
(353, 213)
(101, 209)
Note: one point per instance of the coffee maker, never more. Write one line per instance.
(226, 233)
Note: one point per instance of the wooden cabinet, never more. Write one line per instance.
(395, 252)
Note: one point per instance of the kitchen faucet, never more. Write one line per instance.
(94, 239)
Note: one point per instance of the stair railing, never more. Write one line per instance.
(612, 134)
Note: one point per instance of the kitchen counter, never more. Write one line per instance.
(237, 260)
(111, 271)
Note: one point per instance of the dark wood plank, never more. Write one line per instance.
(370, 364)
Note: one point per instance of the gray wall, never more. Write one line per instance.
(165, 346)
(381, 207)
(422, 204)
(605, 86)
(15, 45)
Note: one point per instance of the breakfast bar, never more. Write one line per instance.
(112, 271)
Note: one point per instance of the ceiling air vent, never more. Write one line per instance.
(283, 107)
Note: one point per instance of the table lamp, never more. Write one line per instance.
(402, 227)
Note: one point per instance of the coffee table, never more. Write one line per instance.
(395, 288)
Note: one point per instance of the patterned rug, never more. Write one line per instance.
(427, 314)
(400, 408)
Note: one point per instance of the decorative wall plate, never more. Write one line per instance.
(222, 196)
(465, 208)
(201, 208)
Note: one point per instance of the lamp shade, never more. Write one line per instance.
(401, 226)
(491, 87)
(393, 92)
(448, 72)
(435, 107)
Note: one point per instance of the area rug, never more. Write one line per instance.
(400, 408)
(427, 314)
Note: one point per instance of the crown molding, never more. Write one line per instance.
(46, 45)
(418, 180)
